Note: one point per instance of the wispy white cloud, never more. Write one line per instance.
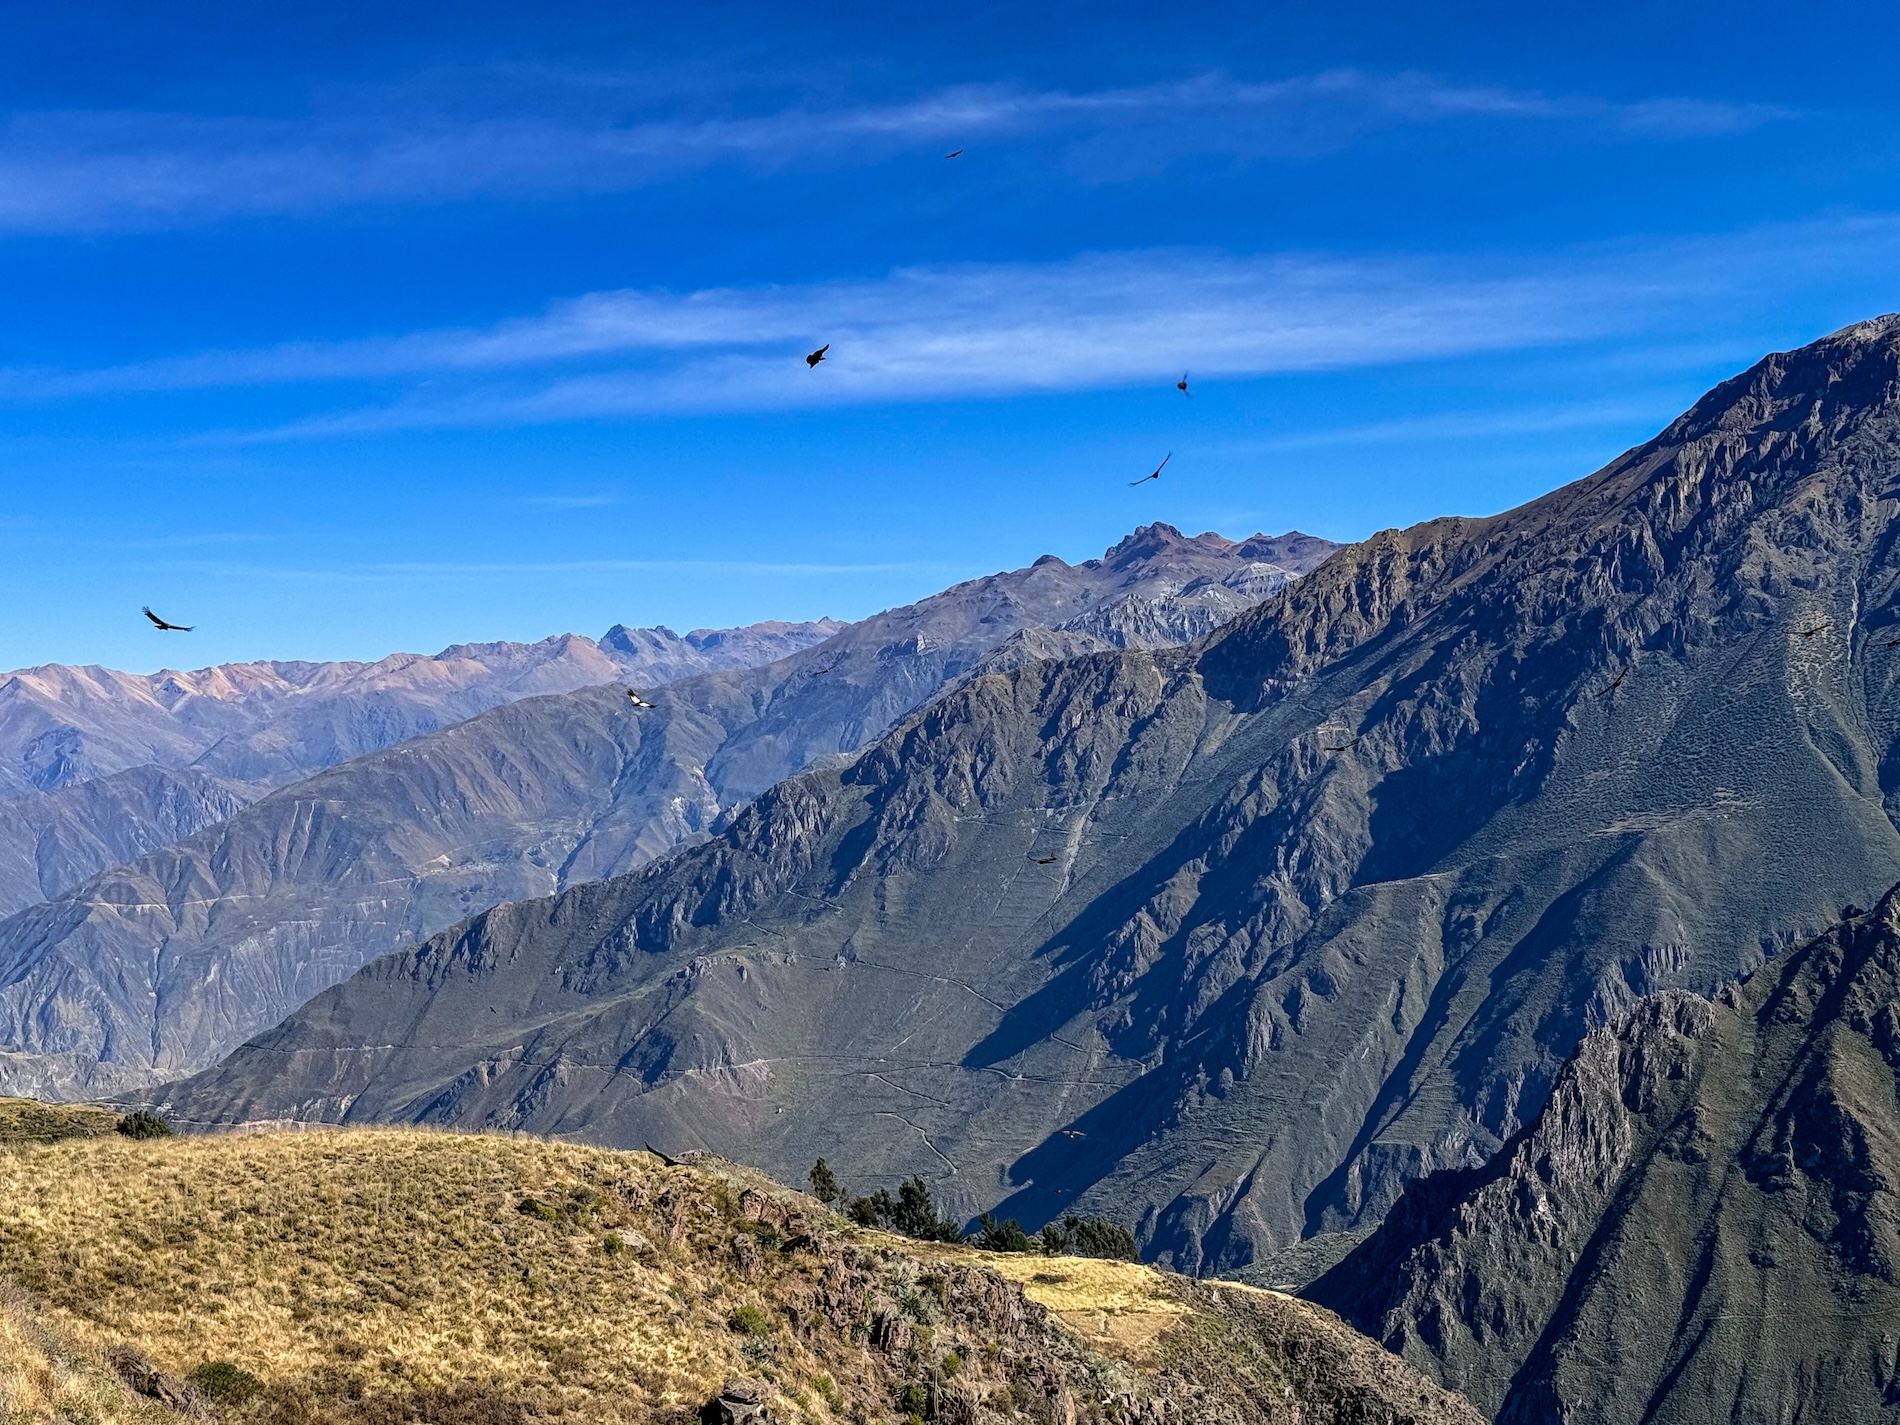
(955, 332)
(87, 171)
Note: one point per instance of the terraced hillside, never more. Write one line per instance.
(401, 1276)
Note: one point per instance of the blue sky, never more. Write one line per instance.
(388, 326)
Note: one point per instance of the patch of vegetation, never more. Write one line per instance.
(750, 1320)
(143, 1123)
(994, 1236)
(764, 1233)
(537, 1209)
(613, 1244)
(824, 1183)
(911, 1213)
(25, 1120)
(224, 1383)
(1095, 1237)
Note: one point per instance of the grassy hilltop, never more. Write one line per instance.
(389, 1276)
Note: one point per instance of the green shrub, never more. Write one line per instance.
(537, 1209)
(750, 1320)
(912, 1398)
(223, 1383)
(952, 1363)
(143, 1123)
(613, 1244)
(764, 1233)
(829, 1391)
(994, 1236)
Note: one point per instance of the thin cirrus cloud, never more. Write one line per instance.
(69, 171)
(1093, 322)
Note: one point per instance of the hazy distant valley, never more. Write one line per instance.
(260, 904)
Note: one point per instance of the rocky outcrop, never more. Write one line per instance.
(1233, 942)
(164, 963)
(1704, 1221)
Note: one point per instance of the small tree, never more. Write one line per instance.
(994, 1236)
(1097, 1237)
(911, 1212)
(824, 1184)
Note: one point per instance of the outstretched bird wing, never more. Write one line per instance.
(670, 1162)
(955, 153)
(1156, 473)
(172, 627)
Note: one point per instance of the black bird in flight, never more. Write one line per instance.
(1891, 643)
(1810, 632)
(1344, 746)
(167, 627)
(1181, 386)
(670, 1162)
(1043, 860)
(1157, 470)
(956, 154)
(818, 355)
(1616, 682)
(639, 702)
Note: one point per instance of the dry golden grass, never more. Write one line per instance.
(1121, 1309)
(366, 1261)
(46, 1375)
(379, 1277)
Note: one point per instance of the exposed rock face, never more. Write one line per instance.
(51, 841)
(1234, 942)
(159, 966)
(1704, 1223)
(167, 753)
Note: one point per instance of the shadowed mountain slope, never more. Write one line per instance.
(168, 753)
(1234, 941)
(1703, 1224)
(159, 966)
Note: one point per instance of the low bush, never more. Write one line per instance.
(143, 1123)
(223, 1383)
(750, 1320)
(537, 1209)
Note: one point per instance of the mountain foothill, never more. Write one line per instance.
(1459, 926)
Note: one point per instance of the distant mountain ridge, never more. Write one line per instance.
(159, 965)
(1703, 1223)
(1234, 941)
(181, 750)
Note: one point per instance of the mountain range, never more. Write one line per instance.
(98, 766)
(158, 965)
(1238, 940)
